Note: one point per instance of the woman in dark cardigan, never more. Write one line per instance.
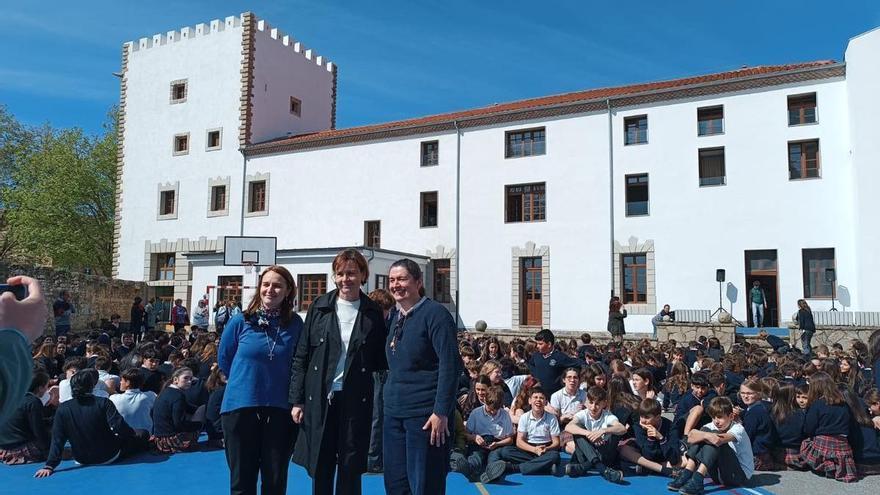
(331, 388)
(806, 324)
(616, 314)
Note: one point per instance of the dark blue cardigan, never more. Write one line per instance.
(791, 431)
(664, 450)
(824, 419)
(756, 422)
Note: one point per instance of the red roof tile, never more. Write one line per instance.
(533, 103)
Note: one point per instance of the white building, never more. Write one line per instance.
(642, 191)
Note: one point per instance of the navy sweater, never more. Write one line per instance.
(548, 369)
(25, 425)
(169, 414)
(688, 402)
(864, 442)
(824, 419)
(94, 428)
(424, 366)
(658, 451)
(791, 430)
(756, 421)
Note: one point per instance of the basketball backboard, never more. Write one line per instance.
(253, 251)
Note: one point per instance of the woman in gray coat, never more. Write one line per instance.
(331, 385)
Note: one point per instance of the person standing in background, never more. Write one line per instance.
(758, 299)
(807, 325)
(62, 308)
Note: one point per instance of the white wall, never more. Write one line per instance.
(280, 71)
(210, 63)
(863, 74)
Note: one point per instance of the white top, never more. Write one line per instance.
(514, 383)
(65, 394)
(585, 421)
(568, 404)
(741, 445)
(346, 313)
(136, 408)
(538, 430)
(106, 375)
(499, 425)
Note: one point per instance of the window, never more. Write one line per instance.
(166, 203)
(818, 280)
(218, 198)
(634, 275)
(802, 109)
(430, 153)
(803, 160)
(712, 172)
(311, 287)
(710, 120)
(212, 142)
(372, 234)
(381, 282)
(257, 196)
(164, 266)
(525, 202)
(429, 209)
(181, 144)
(295, 106)
(635, 129)
(529, 142)
(442, 291)
(178, 91)
(229, 288)
(636, 195)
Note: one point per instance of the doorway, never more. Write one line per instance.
(531, 307)
(762, 266)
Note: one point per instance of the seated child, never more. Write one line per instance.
(568, 400)
(23, 437)
(826, 450)
(172, 431)
(863, 431)
(488, 429)
(96, 431)
(756, 421)
(720, 449)
(135, 406)
(595, 431)
(656, 440)
(71, 366)
(788, 418)
(690, 410)
(537, 443)
(153, 378)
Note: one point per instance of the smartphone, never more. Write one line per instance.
(19, 291)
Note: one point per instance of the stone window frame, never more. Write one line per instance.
(216, 182)
(530, 250)
(296, 106)
(174, 151)
(443, 252)
(168, 186)
(219, 146)
(257, 177)
(634, 246)
(175, 101)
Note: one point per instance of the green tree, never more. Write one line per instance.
(59, 198)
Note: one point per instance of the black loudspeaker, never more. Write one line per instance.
(719, 275)
(830, 276)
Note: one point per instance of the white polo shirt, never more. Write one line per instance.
(136, 408)
(585, 421)
(499, 425)
(568, 404)
(741, 445)
(539, 430)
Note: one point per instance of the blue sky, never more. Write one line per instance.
(402, 59)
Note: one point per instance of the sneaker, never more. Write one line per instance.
(692, 487)
(679, 481)
(494, 471)
(553, 469)
(459, 464)
(574, 470)
(613, 475)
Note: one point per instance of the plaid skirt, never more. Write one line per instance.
(788, 457)
(830, 456)
(182, 442)
(23, 454)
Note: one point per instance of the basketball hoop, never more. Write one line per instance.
(248, 268)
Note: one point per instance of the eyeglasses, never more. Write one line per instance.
(398, 331)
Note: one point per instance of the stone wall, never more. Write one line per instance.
(93, 297)
(686, 332)
(832, 335)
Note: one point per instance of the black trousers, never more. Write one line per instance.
(374, 455)
(585, 452)
(723, 466)
(259, 441)
(333, 450)
(528, 462)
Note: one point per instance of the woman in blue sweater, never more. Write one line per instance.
(424, 365)
(826, 450)
(757, 423)
(255, 354)
(172, 431)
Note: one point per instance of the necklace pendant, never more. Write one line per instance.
(271, 355)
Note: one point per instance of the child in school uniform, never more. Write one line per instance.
(537, 443)
(720, 449)
(690, 410)
(172, 431)
(863, 433)
(757, 423)
(488, 430)
(788, 419)
(826, 450)
(595, 431)
(657, 443)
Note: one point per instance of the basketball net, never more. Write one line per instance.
(248, 268)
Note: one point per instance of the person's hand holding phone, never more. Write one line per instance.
(28, 316)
